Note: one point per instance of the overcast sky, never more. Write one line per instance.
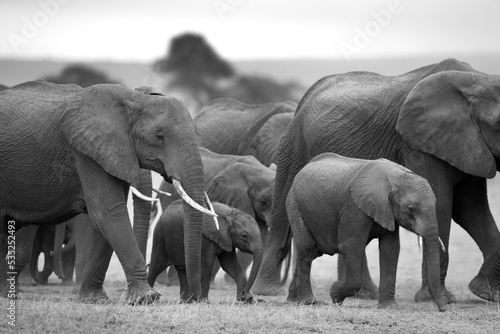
(247, 29)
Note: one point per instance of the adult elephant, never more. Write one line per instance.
(228, 126)
(440, 121)
(67, 150)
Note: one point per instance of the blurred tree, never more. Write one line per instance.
(193, 59)
(81, 75)
(196, 74)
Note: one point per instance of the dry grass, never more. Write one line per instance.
(53, 309)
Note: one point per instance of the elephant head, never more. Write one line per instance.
(391, 194)
(246, 187)
(455, 116)
(125, 130)
(240, 230)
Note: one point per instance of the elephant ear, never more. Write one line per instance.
(97, 123)
(221, 236)
(230, 186)
(371, 191)
(437, 118)
(148, 90)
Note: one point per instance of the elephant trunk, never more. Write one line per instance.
(191, 176)
(142, 211)
(257, 261)
(431, 252)
(58, 242)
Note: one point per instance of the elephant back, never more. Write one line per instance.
(223, 124)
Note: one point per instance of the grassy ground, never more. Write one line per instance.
(53, 309)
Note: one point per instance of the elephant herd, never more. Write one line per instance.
(360, 156)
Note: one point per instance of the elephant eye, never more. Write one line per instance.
(160, 136)
(244, 236)
(412, 210)
(263, 202)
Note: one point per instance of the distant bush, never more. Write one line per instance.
(81, 75)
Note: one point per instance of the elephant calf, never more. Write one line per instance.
(338, 204)
(236, 229)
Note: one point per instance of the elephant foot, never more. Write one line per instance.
(142, 294)
(388, 304)
(273, 289)
(27, 282)
(94, 297)
(67, 282)
(485, 288)
(369, 293)
(339, 292)
(42, 280)
(189, 299)
(247, 298)
(310, 300)
(424, 295)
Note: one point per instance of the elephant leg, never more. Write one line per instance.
(368, 289)
(215, 270)
(105, 197)
(82, 233)
(25, 278)
(42, 277)
(389, 247)
(184, 285)
(300, 289)
(68, 261)
(35, 254)
(95, 271)
(230, 264)
(353, 256)
(60, 233)
(159, 258)
(9, 272)
(471, 211)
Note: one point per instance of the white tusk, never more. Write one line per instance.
(161, 192)
(142, 196)
(157, 217)
(442, 245)
(189, 200)
(419, 242)
(210, 206)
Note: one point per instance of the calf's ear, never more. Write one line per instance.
(370, 190)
